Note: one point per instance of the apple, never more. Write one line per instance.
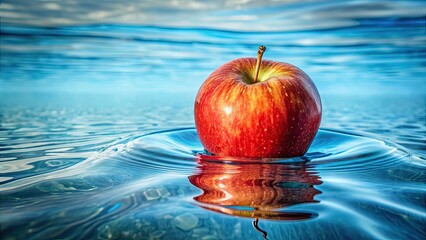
(233, 188)
(257, 109)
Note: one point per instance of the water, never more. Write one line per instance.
(97, 137)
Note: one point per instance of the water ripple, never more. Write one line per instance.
(330, 151)
(343, 176)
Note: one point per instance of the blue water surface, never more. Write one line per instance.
(97, 137)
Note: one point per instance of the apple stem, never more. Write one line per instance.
(258, 62)
(256, 226)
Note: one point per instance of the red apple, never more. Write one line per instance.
(259, 109)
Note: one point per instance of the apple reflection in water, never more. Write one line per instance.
(256, 190)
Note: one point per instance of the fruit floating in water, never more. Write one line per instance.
(258, 109)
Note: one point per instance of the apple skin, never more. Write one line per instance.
(278, 116)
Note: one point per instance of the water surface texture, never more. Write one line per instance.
(97, 137)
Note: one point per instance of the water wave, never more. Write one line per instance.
(161, 174)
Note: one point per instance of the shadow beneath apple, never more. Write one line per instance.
(256, 190)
